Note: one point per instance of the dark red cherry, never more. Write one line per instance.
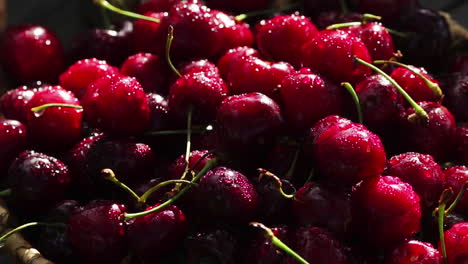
(13, 139)
(327, 18)
(332, 52)
(415, 85)
(235, 33)
(148, 36)
(456, 243)
(422, 172)
(226, 195)
(317, 205)
(260, 249)
(414, 252)
(13, 104)
(456, 96)
(241, 6)
(159, 112)
(434, 137)
(116, 104)
(145, 186)
(154, 235)
(54, 128)
(178, 167)
(150, 71)
(386, 211)
(460, 64)
(281, 37)
(32, 52)
(230, 58)
(273, 207)
(392, 11)
(156, 6)
(455, 178)
(348, 153)
(38, 182)
(322, 125)
(97, 232)
(83, 72)
(307, 98)
(461, 145)
(377, 39)
(200, 91)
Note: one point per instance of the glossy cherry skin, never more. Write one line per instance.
(316, 244)
(317, 205)
(433, 137)
(199, 66)
(455, 178)
(214, 244)
(198, 157)
(414, 252)
(54, 128)
(321, 126)
(147, 36)
(118, 105)
(386, 211)
(200, 91)
(154, 235)
(32, 52)
(461, 145)
(456, 243)
(230, 58)
(13, 139)
(83, 72)
(38, 181)
(348, 153)
(377, 39)
(260, 249)
(273, 208)
(415, 85)
(159, 110)
(281, 37)
(332, 52)
(456, 96)
(97, 232)
(307, 98)
(13, 104)
(422, 172)
(226, 195)
(150, 71)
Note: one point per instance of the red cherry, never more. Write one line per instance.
(377, 39)
(414, 85)
(13, 104)
(229, 60)
(13, 139)
(461, 145)
(414, 252)
(456, 243)
(455, 178)
(148, 36)
(178, 167)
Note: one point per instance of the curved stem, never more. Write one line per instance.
(420, 112)
(355, 97)
(45, 106)
(434, 86)
(366, 17)
(444, 197)
(277, 242)
(457, 199)
(110, 176)
(170, 37)
(148, 193)
(208, 166)
(244, 16)
(19, 228)
(276, 179)
(343, 25)
(109, 6)
(6, 193)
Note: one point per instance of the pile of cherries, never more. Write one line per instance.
(192, 136)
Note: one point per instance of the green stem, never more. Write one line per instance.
(355, 97)
(19, 228)
(457, 199)
(266, 11)
(277, 242)
(174, 132)
(420, 112)
(110, 175)
(6, 193)
(109, 6)
(445, 196)
(343, 25)
(189, 142)
(208, 165)
(170, 37)
(148, 193)
(105, 18)
(434, 86)
(366, 17)
(277, 180)
(398, 33)
(45, 106)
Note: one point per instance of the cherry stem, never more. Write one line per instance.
(457, 199)
(6, 193)
(398, 33)
(355, 97)
(366, 17)
(343, 25)
(148, 193)
(420, 112)
(292, 168)
(196, 130)
(444, 198)
(19, 228)
(45, 106)
(276, 179)
(202, 172)
(189, 141)
(243, 16)
(109, 6)
(110, 176)
(277, 242)
(434, 86)
(105, 18)
(170, 37)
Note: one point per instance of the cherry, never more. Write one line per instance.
(348, 153)
(159, 112)
(260, 249)
(154, 235)
(332, 52)
(456, 96)
(117, 105)
(13, 104)
(377, 39)
(316, 7)
(460, 64)
(198, 157)
(239, 6)
(83, 72)
(307, 98)
(199, 66)
(414, 85)
(433, 137)
(13, 139)
(230, 58)
(422, 172)
(456, 242)
(461, 145)
(97, 233)
(317, 205)
(54, 128)
(156, 6)
(386, 211)
(32, 52)
(415, 252)
(38, 181)
(321, 126)
(150, 71)
(282, 37)
(392, 11)
(156, 196)
(455, 178)
(227, 195)
(148, 36)
(327, 18)
(235, 33)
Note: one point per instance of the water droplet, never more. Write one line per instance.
(39, 113)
